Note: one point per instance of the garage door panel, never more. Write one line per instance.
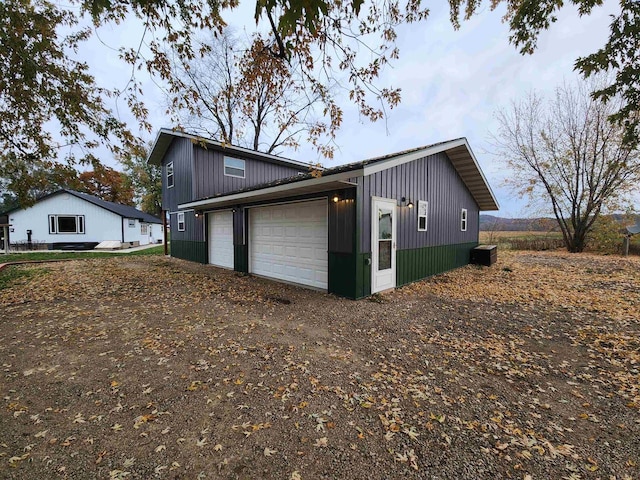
(289, 242)
(221, 239)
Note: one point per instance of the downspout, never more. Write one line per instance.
(122, 227)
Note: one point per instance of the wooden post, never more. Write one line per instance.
(625, 245)
(164, 231)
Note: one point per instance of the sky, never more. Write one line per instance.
(452, 82)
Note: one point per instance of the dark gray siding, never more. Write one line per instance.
(210, 179)
(181, 154)
(433, 179)
(194, 227)
(342, 220)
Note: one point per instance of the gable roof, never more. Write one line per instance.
(458, 151)
(166, 135)
(124, 211)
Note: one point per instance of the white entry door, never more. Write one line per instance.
(221, 239)
(383, 244)
(290, 242)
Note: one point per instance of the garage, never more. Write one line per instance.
(289, 242)
(221, 239)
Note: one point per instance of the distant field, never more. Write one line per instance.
(486, 236)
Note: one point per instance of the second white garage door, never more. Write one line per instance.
(289, 242)
(221, 239)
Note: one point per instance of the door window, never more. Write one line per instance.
(385, 238)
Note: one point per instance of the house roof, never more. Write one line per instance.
(166, 135)
(125, 211)
(458, 151)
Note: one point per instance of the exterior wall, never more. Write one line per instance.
(209, 178)
(134, 234)
(432, 179)
(190, 244)
(100, 224)
(419, 254)
(181, 154)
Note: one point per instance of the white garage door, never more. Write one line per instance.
(289, 242)
(221, 239)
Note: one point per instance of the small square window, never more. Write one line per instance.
(234, 167)
(463, 220)
(181, 224)
(423, 207)
(169, 174)
(132, 223)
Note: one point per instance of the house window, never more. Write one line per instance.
(181, 222)
(423, 207)
(66, 224)
(144, 229)
(463, 220)
(169, 174)
(233, 167)
(132, 223)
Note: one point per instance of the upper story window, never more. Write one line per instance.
(66, 223)
(181, 224)
(423, 206)
(169, 174)
(463, 220)
(234, 167)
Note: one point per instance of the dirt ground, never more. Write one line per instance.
(158, 368)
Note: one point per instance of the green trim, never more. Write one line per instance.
(419, 263)
(241, 258)
(189, 250)
(342, 274)
(363, 275)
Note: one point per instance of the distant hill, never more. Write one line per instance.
(491, 223)
(499, 224)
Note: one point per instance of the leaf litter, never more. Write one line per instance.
(159, 368)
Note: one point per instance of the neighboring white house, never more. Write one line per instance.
(66, 218)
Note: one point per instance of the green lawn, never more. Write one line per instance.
(44, 255)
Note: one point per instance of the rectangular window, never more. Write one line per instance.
(132, 223)
(181, 222)
(463, 220)
(423, 206)
(66, 224)
(144, 229)
(169, 174)
(233, 167)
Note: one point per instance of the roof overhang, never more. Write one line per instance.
(166, 135)
(339, 181)
(463, 160)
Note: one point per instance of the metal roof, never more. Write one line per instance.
(166, 135)
(125, 211)
(458, 151)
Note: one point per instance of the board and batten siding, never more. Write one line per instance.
(181, 154)
(433, 179)
(209, 178)
(99, 224)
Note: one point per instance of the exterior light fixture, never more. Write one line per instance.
(197, 214)
(335, 199)
(403, 202)
(410, 204)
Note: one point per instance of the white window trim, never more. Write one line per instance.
(426, 215)
(180, 220)
(80, 225)
(244, 168)
(170, 168)
(132, 222)
(463, 220)
(144, 228)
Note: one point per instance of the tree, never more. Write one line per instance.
(146, 181)
(565, 153)
(241, 94)
(107, 184)
(344, 41)
(42, 85)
